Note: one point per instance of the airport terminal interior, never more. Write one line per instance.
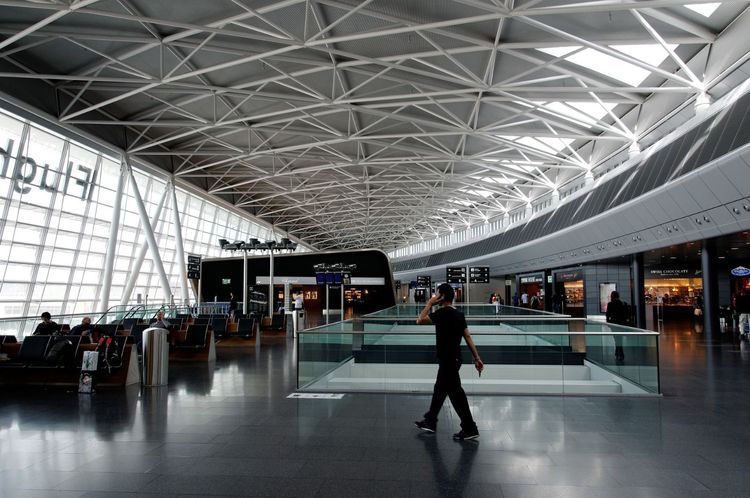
(220, 221)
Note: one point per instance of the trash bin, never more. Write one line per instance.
(155, 357)
(298, 318)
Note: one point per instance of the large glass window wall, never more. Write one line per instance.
(56, 206)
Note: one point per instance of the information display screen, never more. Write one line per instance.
(455, 274)
(424, 281)
(320, 278)
(479, 274)
(193, 267)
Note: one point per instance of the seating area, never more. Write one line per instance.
(191, 339)
(30, 362)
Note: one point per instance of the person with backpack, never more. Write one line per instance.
(618, 313)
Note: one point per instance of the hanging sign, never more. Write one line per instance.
(193, 267)
(740, 271)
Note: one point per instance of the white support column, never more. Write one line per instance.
(180, 247)
(148, 231)
(244, 282)
(466, 298)
(270, 283)
(114, 228)
(142, 254)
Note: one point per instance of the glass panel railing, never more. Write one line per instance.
(120, 315)
(544, 355)
(470, 309)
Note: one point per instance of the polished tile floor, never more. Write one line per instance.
(231, 431)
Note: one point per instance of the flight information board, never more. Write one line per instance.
(455, 274)
(479, 274)
(193, 267)
(424, 281)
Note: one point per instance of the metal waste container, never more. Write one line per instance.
(298, 318)
(155, 357)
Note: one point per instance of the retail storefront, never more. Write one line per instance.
(569, 285)
(672, 293)
(531, 284)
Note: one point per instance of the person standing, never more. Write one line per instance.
(232, 305)
(525, 299)
(450, 327)
(299, 302)
(743, 310)
(617, 313)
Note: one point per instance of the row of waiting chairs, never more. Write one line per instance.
(34, 348)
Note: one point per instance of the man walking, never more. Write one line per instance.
(450, 327)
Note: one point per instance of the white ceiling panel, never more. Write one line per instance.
(354, 124)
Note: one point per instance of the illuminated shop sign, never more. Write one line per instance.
(532, 279)
(740, 271)
(76, 180)
(569, 276)
(673, 272)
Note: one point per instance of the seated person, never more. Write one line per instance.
(161, 322)
(47, 327)
(83, 328)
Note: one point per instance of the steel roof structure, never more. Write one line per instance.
(373, 123)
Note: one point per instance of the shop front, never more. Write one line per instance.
(530, 285)
(569, 287)
(672, 294)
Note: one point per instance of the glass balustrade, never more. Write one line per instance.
(119, 315)
(541, 354)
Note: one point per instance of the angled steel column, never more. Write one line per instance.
(142, 254)
(114, 228)
(180, 249)
(151, 238)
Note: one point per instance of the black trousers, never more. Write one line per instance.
(448, 384)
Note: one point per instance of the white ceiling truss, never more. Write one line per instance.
(373, 123)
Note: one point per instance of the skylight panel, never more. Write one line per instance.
(613, 67)
(545, 144)
(497, 180)
(650, 54)
(558, 51)
(462, 202)
(704, 9)
(584, 112)
(478, 192)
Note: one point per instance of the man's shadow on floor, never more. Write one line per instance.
(450, 483)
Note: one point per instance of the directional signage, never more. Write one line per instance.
(479, 274)
(193, 267)
(455, 274)
(424, 281)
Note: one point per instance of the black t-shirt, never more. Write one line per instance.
(449, 329)
(80, 328)
(48, 328)
(617, 312)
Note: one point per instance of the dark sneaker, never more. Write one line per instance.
(463, 435)
(426, 426)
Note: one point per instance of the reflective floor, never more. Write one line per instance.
(231, 431)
